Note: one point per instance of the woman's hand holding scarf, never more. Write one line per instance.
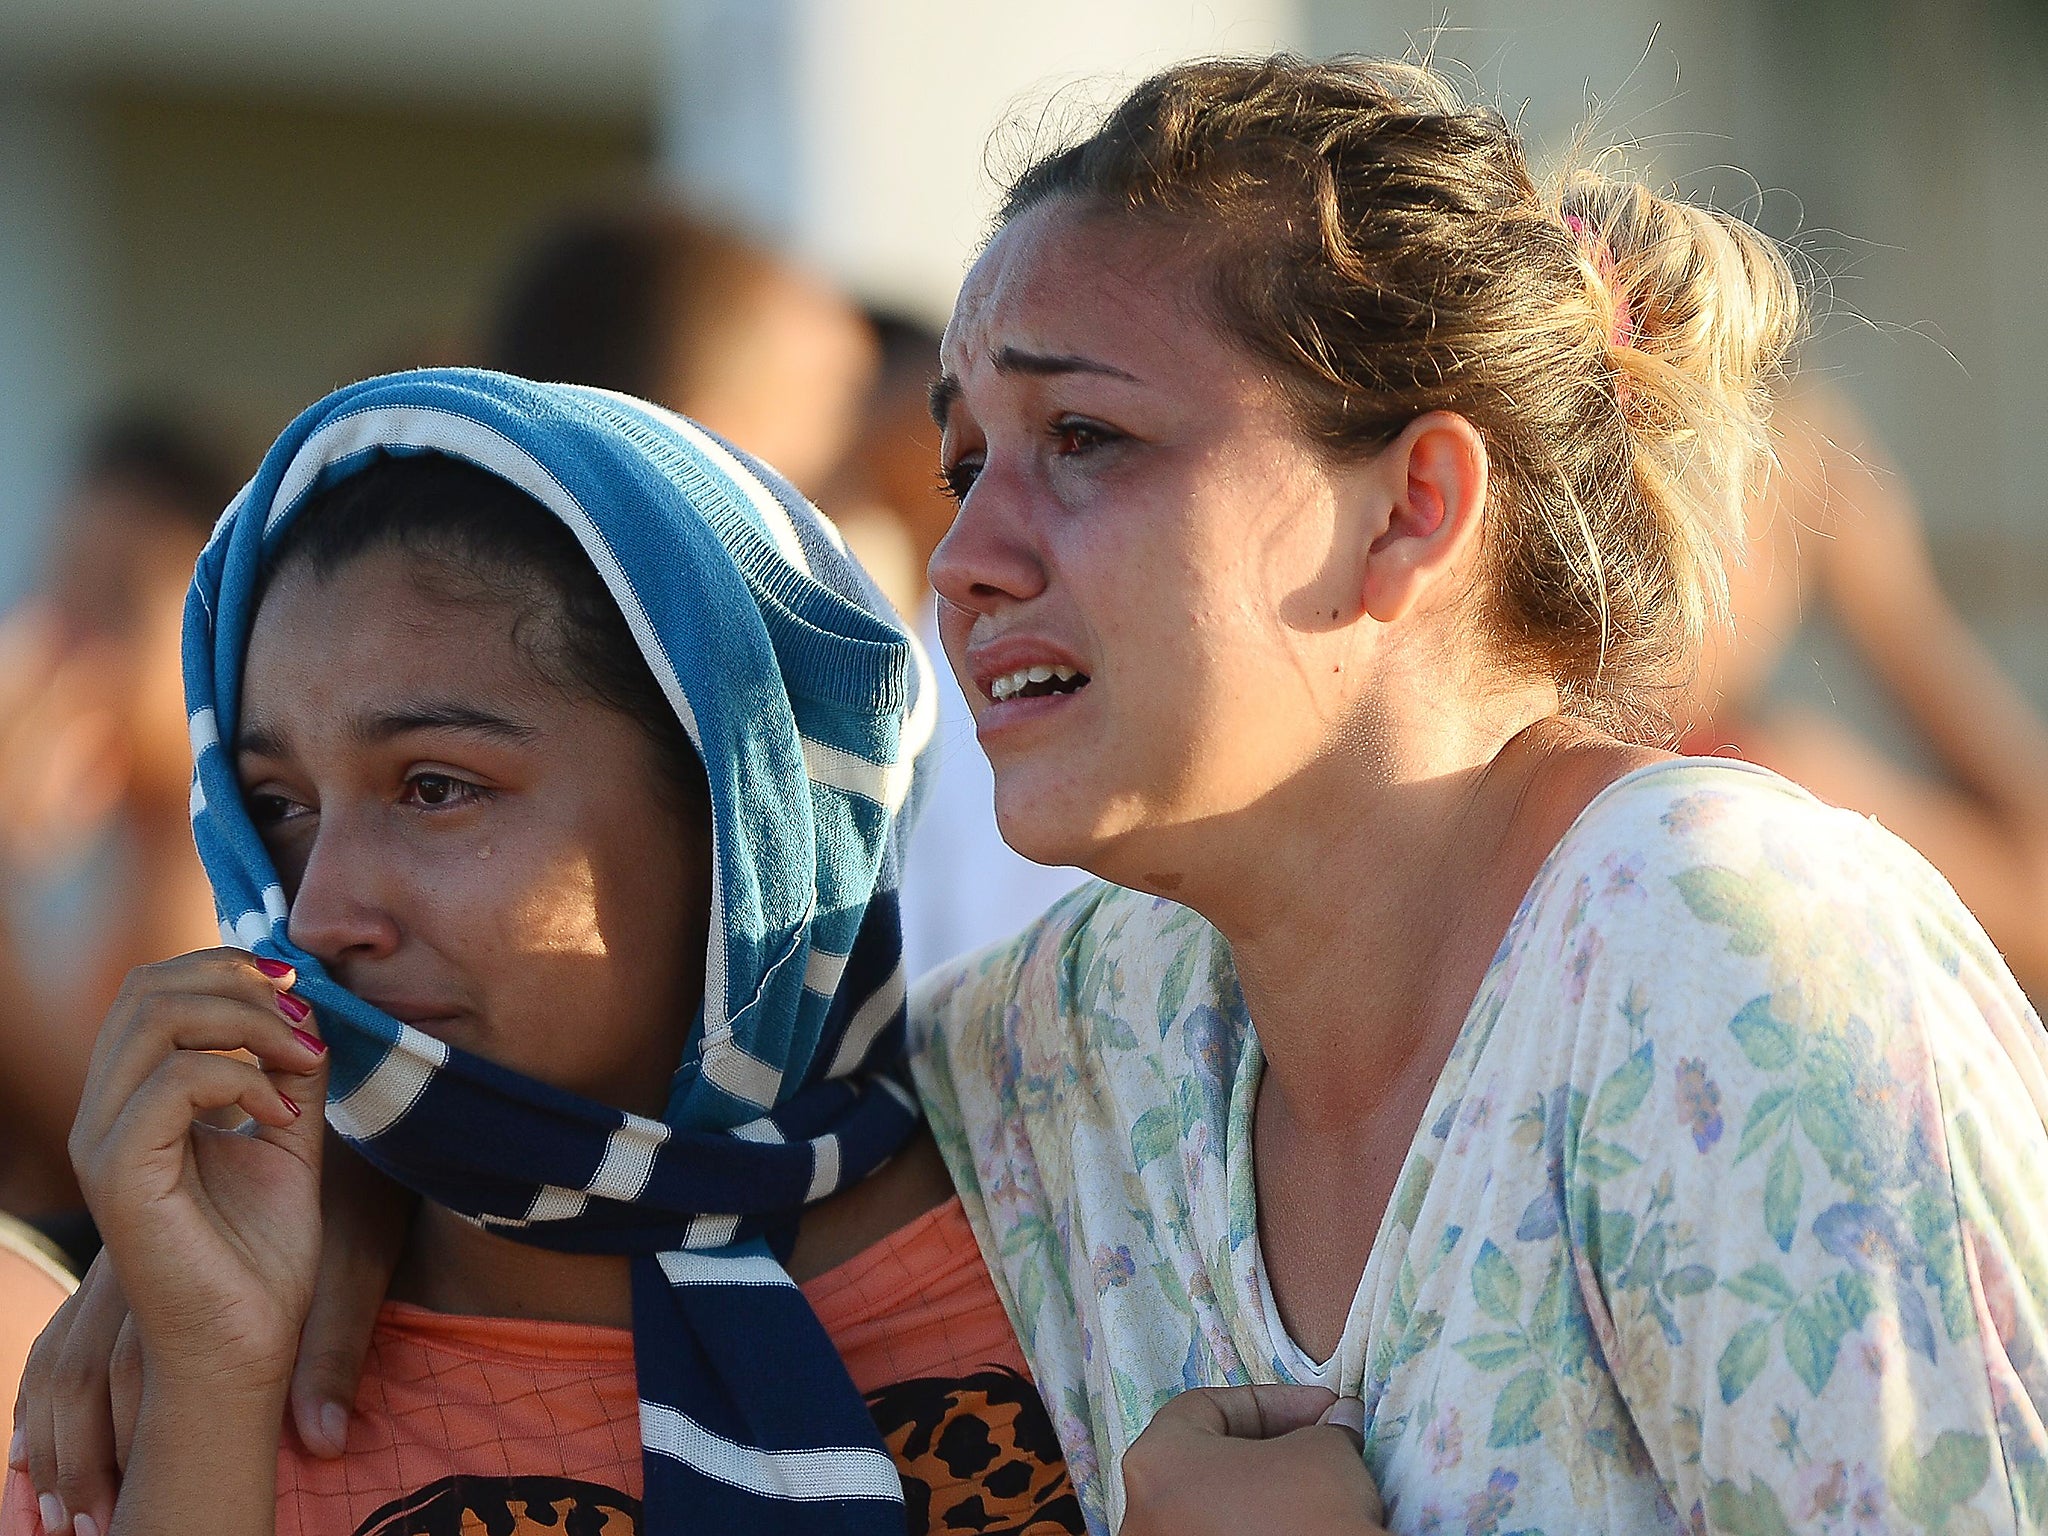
(214, 1235)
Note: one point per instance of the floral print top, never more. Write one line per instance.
(1729, 1211)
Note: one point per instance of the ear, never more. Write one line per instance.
(1430, 485)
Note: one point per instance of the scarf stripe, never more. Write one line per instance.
(807, 1475)
(809, 706)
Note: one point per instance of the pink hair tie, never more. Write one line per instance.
(1623, 332)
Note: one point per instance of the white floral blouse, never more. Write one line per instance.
(1729, 1211)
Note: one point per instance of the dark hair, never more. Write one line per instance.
(1382, 245)
(152, 453)
(477, 538)
(617, 298)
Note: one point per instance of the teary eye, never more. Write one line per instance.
(1078, 434)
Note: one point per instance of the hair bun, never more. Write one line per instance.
(1710, 309)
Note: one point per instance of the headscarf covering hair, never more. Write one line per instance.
(808, 706)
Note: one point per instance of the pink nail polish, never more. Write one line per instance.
(294, 1008)
(274, 969)
(51, 1508)
(290, 1105)
(85, 1525)
(312, 1043)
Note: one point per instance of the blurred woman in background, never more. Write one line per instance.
(95, 784)
(655, 302)
(1836, 532)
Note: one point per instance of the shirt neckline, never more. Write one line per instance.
(1289, 1355)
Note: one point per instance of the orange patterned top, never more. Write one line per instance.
(470, 1423)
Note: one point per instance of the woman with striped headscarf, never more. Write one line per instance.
(552, 758)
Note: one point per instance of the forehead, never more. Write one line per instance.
(381, 623)
(1062, 279)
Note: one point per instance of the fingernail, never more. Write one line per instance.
(1346, 1413)
(288, 1104)
(52, 1509)
(85, 1525)
(17, 1450)
(274, 969)
(312, 1043)
(294, 1008)
(334, 1425)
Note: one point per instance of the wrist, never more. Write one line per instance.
(202, 1335)
(203, 1393)
(222, 1373)
(239, 1362)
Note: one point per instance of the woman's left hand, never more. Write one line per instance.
(1234, 1460)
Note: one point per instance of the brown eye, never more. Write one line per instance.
(268, 810)
(442, 791)
(1074, 434)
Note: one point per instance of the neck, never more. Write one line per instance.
(452, 1266)
(1363, 902)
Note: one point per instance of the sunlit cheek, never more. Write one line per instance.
(558, 915)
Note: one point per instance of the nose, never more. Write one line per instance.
(341, 911)
(990, 556)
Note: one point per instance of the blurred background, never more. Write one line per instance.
(233, 205)
(214, 211)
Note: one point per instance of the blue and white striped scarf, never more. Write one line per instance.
(808, 706)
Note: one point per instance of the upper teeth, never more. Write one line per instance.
(1011, 684)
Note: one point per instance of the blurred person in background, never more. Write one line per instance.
(95, 775)
(1838, 526)
(652, 301)
(964, 887)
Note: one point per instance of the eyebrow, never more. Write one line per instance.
(380, 726)
(945, 388)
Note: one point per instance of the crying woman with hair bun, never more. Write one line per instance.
(1602, 1139)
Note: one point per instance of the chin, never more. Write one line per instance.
(1048, 828)
(1057, 819)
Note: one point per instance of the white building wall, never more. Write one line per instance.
(856, 131)
(51, 346)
